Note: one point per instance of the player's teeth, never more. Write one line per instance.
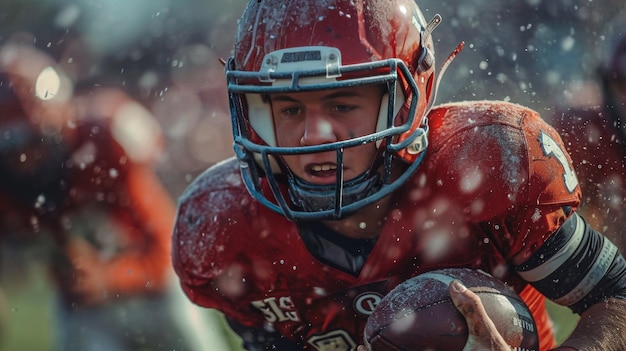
(319, 168)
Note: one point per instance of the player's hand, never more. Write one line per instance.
(483, 334)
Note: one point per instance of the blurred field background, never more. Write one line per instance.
(30, 318)
(29, 314)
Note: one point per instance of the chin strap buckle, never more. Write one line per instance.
(420, 141)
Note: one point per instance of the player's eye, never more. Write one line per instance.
(341, 108)
(291, 111)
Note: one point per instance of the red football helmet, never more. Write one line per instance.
(303, 45)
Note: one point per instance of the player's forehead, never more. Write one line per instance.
(356, 92)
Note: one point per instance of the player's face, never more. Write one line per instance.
(320, 117)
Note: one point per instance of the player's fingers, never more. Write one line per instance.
(470, 306)
(483, 334)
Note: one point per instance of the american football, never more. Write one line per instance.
(419, 315)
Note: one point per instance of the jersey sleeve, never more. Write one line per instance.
(509, 170)
(210, 244)
(553, 189)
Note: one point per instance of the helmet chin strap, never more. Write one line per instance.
(315, 197)
(310, 197)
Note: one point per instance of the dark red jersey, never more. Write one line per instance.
(494, 185)
(597, 146)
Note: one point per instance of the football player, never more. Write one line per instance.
(77, 167)
(347, 181)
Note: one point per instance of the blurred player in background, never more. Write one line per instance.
(76, 169)
(346, 183)
(595, 137)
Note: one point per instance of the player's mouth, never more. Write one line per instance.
(324, 172)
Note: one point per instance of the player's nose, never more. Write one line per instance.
(318, 129)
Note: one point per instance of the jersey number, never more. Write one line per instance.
(279, 309)
(551, 149)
